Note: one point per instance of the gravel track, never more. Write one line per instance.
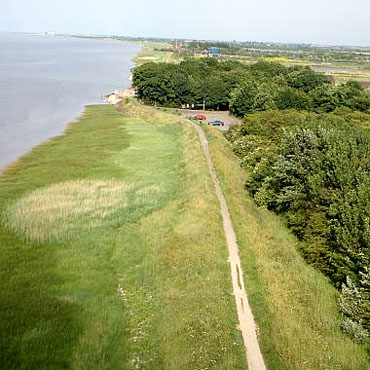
(247, 323)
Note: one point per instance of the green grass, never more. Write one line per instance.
(358, 72)
(150, 52)
(294, 305)
(112, 251)
(113, 257)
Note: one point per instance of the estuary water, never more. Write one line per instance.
(45, 82)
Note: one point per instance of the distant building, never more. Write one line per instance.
(214, 52)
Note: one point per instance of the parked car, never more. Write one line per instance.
(201, 117)
(217, 123)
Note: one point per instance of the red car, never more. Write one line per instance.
(201, 117)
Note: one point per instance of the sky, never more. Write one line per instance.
(327, 22)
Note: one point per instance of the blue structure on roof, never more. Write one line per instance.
(214, 52)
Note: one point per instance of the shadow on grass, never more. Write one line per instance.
(38, 330)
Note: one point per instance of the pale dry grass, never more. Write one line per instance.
(135, 109)
(63, 210)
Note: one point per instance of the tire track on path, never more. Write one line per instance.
(247, 323)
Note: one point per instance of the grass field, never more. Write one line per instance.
(342, 72)
(151, 52)
(294, 305)
(112, 251)
(113, 257)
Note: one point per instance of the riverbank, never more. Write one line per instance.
(47, 81)
(121, 273)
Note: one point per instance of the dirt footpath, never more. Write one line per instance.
(247, 324)
(223, 116)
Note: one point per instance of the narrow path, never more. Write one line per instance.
(247, 324)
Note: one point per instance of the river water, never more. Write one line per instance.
(46, 81)
(331, 69)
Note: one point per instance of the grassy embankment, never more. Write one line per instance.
(112, 251)
(113, 256)
(295, 306)
(151, 52)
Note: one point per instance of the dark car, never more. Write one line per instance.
(216, 123)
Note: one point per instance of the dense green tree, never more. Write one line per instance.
(289, 98)
(183, 89)
(267, 69)
(325, 99)
(158, 90)
(305, 79)
(360, 102)
(352, 95)
(234, 78)
(242, 98)
(320, 180)
(215, 92)
(251, 97)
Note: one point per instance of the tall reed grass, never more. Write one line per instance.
(68, 209)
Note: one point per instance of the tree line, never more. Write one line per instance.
(243, 88)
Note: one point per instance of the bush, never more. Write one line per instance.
(354, 303)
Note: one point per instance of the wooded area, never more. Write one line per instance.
(243, 88)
